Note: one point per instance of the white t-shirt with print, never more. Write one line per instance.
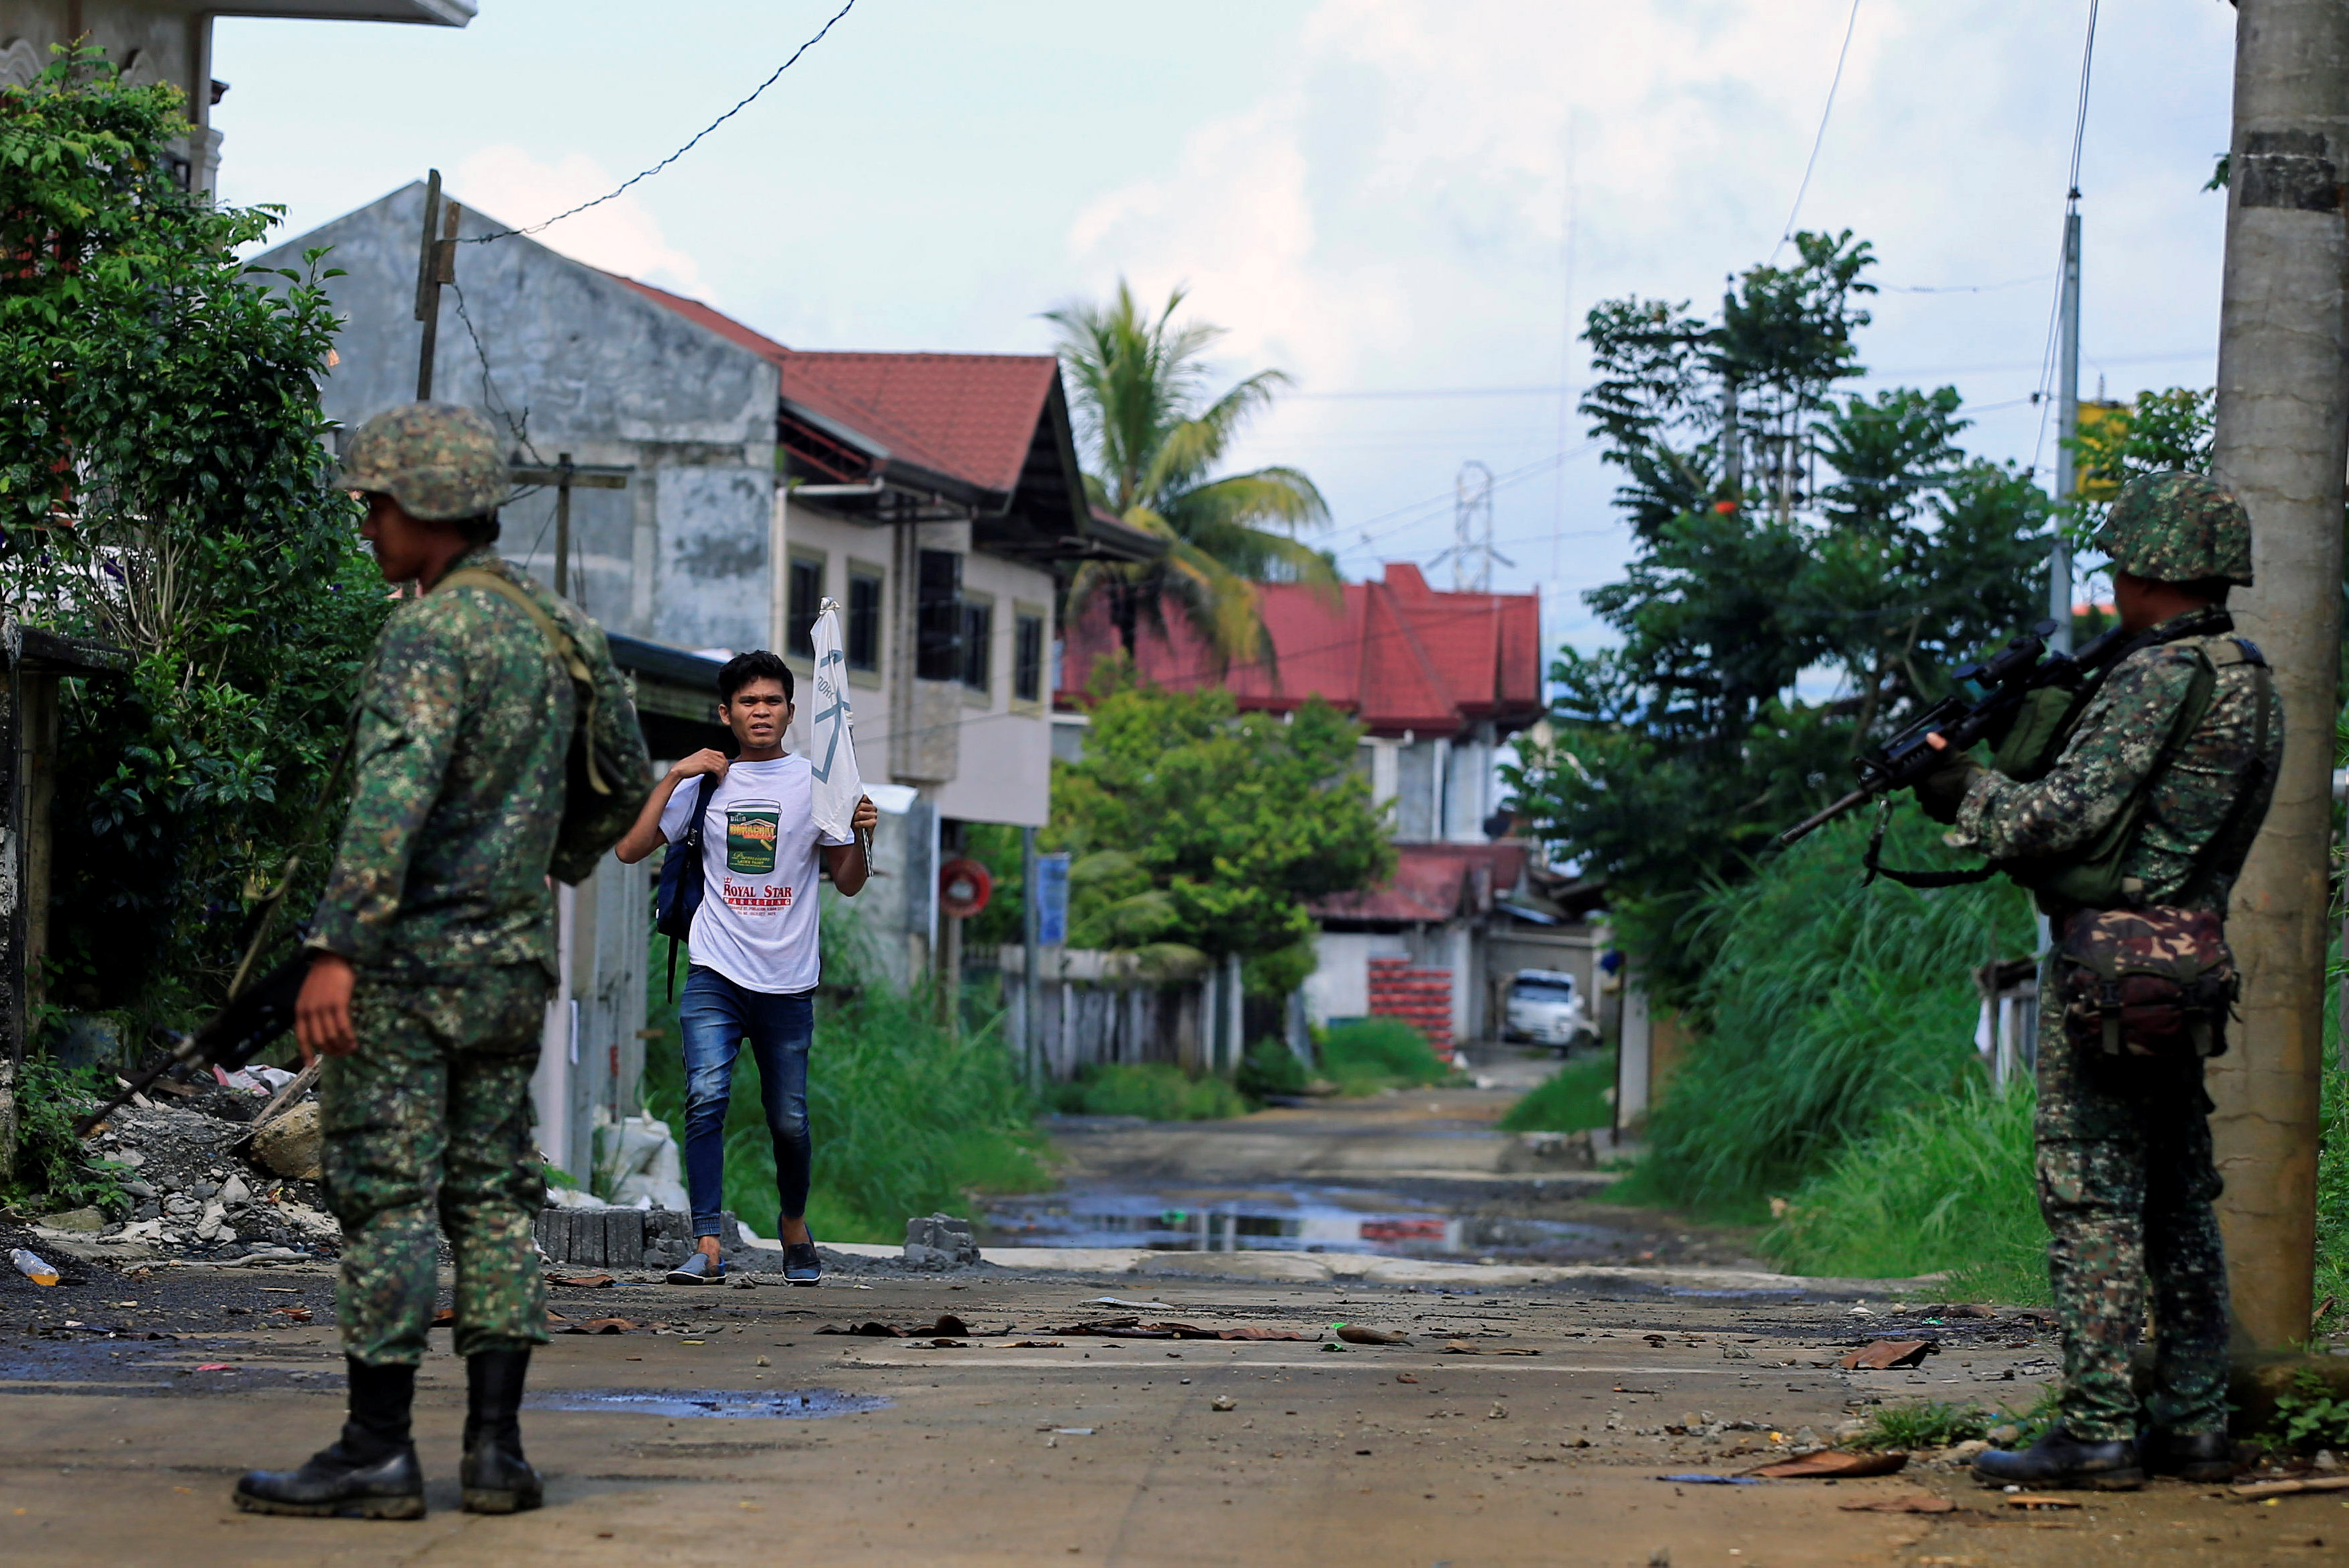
(757, 920)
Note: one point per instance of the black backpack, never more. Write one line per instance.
(683, 879)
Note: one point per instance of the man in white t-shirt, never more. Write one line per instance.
(755, 946)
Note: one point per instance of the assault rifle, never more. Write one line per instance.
(1990, 695)
(253, 1019)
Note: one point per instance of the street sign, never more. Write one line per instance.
(1051, 900)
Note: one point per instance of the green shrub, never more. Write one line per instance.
(1370, 1054)
(2308, 1417)
(1944, 1185)
(1577, 1095)
(1928, 1424)
(1269, 1069)
(1159, 1092)
(909, 1117)
(55, 1168)
(2333, 1179)
(1823, 1009)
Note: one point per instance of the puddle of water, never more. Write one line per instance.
(1294, 1219)
(727, 1403)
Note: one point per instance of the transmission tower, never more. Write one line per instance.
(1472, 548)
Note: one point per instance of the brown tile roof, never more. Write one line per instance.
(1432, 884)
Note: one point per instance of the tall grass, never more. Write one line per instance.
(1825, 1009)
(908, 1119)
(1370, 1054)
(1158, 1092)
(1577, 1096)
(1944, 1185)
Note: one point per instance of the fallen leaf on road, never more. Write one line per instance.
(294, 1313)
(601, 1325)
(1912, 1502)
(2040, 1500)
(1887, 1354)
(215, 1367)
(949, 1344)
(2280, 1488)
(1405, 1378)
(1032, 1345)
(444, 1316)
(1831, 1462)
(1135, 1328)
(582, 1281)
(947, 1325)
(1462, 1347)
(1353, 1333)
(1700, 1478)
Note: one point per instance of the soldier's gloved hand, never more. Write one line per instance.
(1943, 791)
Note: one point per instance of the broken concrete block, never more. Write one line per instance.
(1538, 1151)
(291, 1145)
(940, 1239)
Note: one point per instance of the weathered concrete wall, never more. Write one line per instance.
(563, 357)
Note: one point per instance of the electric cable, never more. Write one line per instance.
(2071, 205)
(680, 152)
(1850, 25)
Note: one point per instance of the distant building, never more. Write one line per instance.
(171, 41)
(1440, 680)
(932, 495)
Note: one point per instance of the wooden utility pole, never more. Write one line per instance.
(564, 476)
(436, 264)
(2283, 413)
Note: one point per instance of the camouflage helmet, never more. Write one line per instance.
(2177, 528)
(439, 460)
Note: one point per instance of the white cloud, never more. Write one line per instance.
(512, 186)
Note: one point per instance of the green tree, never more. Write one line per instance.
(1155, 438)
(1780, 530)
(163, 489)
(1192, 822)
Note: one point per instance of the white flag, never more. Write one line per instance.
(832, 742)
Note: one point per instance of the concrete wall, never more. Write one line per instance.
(577, 362)
(1340, 985)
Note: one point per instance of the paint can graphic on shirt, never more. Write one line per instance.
(750, 829)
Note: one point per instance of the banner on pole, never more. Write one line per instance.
(831, 741)
(1051, 900)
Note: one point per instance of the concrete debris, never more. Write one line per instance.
(940, 1240)
(200, 1182)
(292, 1145)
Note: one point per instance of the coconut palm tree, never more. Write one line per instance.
(1153, 438)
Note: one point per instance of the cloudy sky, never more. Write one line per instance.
(1404, 203)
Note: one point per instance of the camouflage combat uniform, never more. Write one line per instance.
(439, 897)
(2126, 1177)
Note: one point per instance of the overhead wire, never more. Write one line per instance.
(1827, 111)
(695, 141)
(2047, 368)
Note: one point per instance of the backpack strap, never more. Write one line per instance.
(558, 641)
(691, 845)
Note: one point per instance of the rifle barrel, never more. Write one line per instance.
(1804, 829)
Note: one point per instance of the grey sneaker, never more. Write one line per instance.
(800, 1264)
(698, 1269)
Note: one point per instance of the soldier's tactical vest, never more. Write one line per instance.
(2090, 876)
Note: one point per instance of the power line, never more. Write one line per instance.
(1850, 25)
(680, 152)
(2071, 205)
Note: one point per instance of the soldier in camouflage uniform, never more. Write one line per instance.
(435, 946)
(2126, 1177)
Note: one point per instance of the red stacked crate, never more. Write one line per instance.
(1419, 997)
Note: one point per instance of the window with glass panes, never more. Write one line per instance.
(977, 643)
(807, 596)
(864, 629)
(1028, 659)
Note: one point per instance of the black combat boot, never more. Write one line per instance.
(370, 1473)
(2189, 1456)
(495, 1477)
(2060, 1459)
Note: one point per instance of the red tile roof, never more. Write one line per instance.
(1397, 655)
(970, 417)
(1432, 884)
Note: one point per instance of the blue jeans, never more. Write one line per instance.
(716, 1016)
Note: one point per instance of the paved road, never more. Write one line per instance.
(119, 1447)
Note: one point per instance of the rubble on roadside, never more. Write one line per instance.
(201, 1183)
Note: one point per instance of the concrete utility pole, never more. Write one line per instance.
(2283, 409)
(2067, 427)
